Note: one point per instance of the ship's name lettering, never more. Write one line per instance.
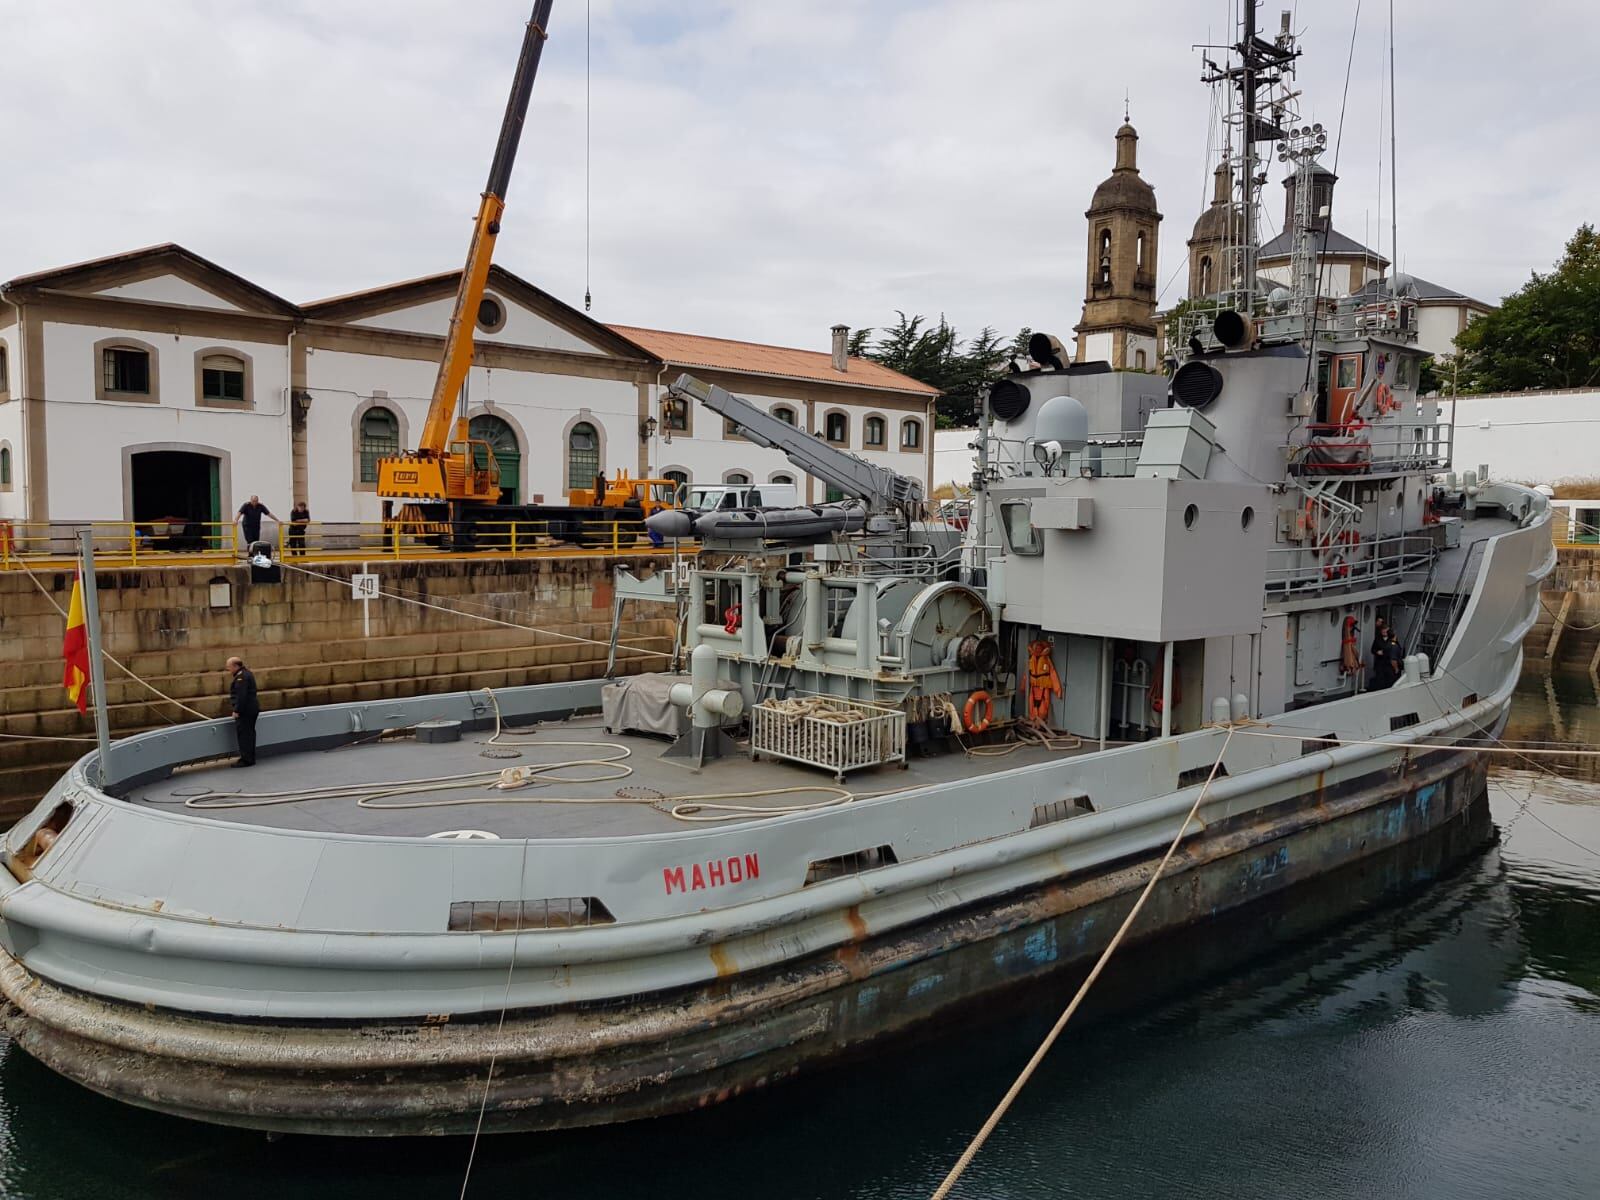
(719, 872)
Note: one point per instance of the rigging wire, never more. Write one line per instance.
(588, 298)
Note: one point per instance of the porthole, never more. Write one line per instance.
(491, 315)
(1190, 515)
(1245, 517)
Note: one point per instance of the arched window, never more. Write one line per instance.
(1105, 256)
(126, 369)
(379, 437)
(583, 455)
(501, 441)
(5, 468)
(223, 378)
(910, 435)
(784, 413)
(736, 478)
(874, 431)
(1205, 275)
(836, 428)
(5, 379)
(782, 477)
(1139, 251)
(1139, 360)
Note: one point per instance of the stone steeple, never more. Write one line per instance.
(1120, 293)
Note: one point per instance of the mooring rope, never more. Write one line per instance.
(1021, 1081)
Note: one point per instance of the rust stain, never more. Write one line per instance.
(722, 961)
(858, 927)
(849, 957)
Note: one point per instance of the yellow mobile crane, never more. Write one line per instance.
(448, 484)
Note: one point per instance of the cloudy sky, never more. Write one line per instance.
(759, 168)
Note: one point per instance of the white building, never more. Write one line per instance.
(158, 384)
(1531, 437)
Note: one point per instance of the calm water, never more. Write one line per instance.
(1447, 1047)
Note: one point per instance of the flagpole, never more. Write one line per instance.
(97, 668)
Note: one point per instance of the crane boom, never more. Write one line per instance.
(437, 469)
(879, 487)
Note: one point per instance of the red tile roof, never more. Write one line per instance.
(753, 358)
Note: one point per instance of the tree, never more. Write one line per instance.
(935, 355)
(858, 343)
(1546, 335)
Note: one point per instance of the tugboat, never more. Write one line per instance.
(911, 767)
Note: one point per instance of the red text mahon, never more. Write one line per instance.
(719, 872)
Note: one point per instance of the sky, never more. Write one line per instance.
(763, 170)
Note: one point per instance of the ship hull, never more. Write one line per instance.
(655, 1054)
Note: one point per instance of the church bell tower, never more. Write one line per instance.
(1119, 303)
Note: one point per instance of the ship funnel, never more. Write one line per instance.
(1233, 329)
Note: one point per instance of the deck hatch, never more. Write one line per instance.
(853, 863)
(1403, 720)
(560, 912)
(1196, 775)
(1313, 745)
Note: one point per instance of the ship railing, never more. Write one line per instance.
(1110, 455)
(1331, 450)
(179, 542)
(1323, 566)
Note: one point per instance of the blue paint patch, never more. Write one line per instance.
(1040, 946)
(926, 984)
(866, 998)
(1267, 865)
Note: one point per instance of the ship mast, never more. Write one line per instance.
(1253, 68)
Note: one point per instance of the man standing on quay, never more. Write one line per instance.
(246, 708)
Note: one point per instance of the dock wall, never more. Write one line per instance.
(306, 639)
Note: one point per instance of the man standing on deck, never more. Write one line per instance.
(246, 708)
(249, 519)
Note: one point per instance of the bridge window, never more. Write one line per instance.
(873, 432)
(910, 435)
(380, 438)
(836, 428)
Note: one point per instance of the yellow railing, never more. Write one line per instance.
(163, 543)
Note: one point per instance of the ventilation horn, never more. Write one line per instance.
(1233, 329)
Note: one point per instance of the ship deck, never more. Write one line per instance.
(291, 791)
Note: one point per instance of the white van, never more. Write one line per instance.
(706, 497)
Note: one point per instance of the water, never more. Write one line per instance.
(1446, 1047)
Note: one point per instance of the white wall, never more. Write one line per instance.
(1529, 437)
(1097, 346)
(522, 327)
(86, 437)
(169, 289)
(13, 504)
(539, 406)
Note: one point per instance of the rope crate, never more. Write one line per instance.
(836, 735)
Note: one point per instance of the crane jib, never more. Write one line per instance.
(505, 151)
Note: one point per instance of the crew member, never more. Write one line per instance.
(246, 708)
(249, 520)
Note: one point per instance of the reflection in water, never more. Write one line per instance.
(1442, 1047)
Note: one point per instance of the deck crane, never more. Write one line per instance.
(449, 477)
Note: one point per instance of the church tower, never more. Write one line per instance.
(1218, 230)
(1119, 303)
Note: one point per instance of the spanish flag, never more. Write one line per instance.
(75, 650)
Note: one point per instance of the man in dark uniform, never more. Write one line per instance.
(246, 708)
(1382, 674)
(249, 520)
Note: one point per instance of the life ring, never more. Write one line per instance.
(1338, 567)
(731, 618)
(981, 723)
(1384, 397)
(1350, 648)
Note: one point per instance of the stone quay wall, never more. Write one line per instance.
(307, 640)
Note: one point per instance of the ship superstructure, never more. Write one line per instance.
(911, 765)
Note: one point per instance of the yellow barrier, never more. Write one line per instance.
(186, 543)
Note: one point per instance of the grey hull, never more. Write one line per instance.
(669, 1052)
